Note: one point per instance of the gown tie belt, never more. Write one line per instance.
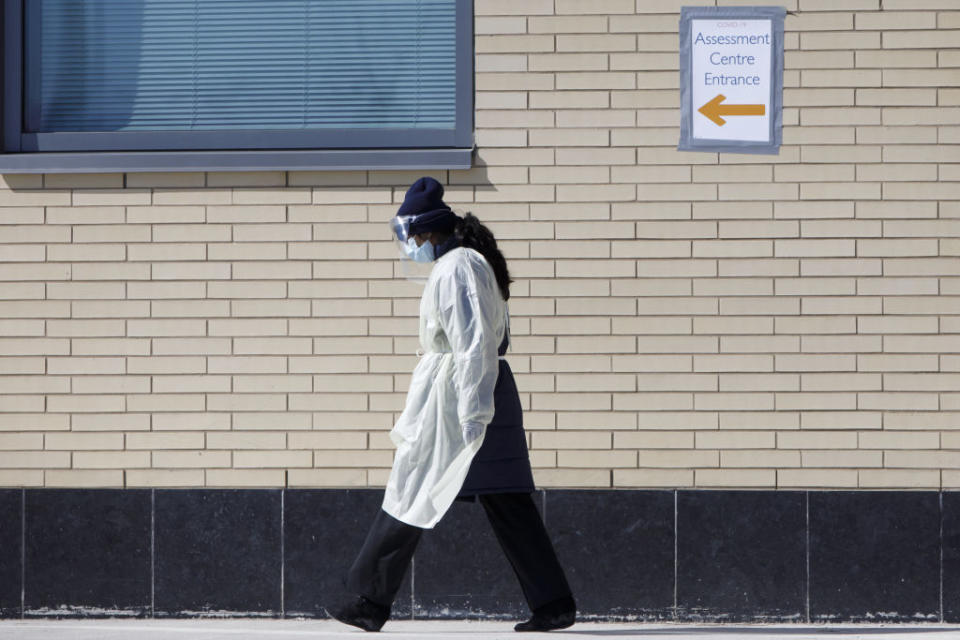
(420, 353)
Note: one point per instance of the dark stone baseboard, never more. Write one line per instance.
(648, 555)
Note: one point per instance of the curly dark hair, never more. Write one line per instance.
(474, 234)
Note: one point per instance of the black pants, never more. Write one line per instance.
(386, 553)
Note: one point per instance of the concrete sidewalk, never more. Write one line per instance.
(255, 629)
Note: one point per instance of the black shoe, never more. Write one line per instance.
(558, 614)
(363, 613)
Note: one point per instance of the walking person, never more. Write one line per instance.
(460, 435)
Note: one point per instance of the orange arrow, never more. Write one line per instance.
(714, 109)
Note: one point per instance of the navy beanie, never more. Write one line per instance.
(425, 200)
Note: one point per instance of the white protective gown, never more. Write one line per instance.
(462, 322)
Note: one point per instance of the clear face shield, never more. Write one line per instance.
(416, 262)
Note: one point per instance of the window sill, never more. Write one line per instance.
(259, 160)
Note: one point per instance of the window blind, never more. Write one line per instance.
(154, 65)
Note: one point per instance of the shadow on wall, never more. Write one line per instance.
(692, 556)
(331, 181)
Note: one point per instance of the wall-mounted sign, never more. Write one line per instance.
(731, 79)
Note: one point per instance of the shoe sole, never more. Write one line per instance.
(351, 623)
(562, 626)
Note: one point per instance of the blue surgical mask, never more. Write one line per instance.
(423, 253)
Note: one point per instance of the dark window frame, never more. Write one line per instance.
(84, 152)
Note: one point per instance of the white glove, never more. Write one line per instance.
(472, 431)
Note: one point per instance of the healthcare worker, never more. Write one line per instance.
(460, 435)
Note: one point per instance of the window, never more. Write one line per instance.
(141, 85)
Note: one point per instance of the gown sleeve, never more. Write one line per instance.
(467, 308)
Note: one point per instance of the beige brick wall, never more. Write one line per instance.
(680, 319)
